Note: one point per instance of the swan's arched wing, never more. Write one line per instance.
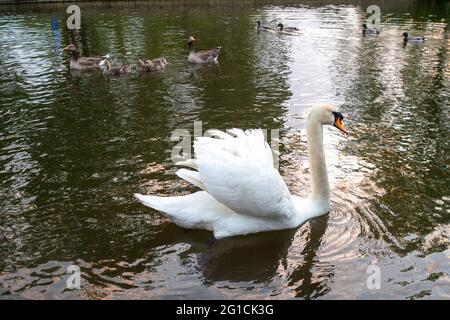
(238, 171)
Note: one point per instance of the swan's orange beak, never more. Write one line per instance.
(338, 117)
(338, 124)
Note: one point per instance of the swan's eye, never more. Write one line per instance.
(338, 117)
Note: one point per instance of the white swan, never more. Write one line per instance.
(243, 192)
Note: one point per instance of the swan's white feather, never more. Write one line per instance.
(239, 173)
(244, 193)
(200, 210)
(191, 176)
(191, 163)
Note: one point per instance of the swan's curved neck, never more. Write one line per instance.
(320, 189)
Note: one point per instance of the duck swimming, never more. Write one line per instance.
(82, 63)
(242, 191)
(407, 39)
(205, 56)
(260, 27)
(369, 31)
(151, 65)
(109, 70)
(288, 29)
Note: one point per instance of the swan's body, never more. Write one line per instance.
(407, 38)
(243, 192)
(205, 56)
(82, 63)
(370, 31)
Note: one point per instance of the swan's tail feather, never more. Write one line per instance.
(158, 203)
(197, 210)
(191, 176)
(171, 207)
(191, 163)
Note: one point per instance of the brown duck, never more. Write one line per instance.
(82, 63)
(151, 65)
(206, 56)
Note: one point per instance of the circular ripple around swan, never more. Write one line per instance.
(342, 232)
(339, 216)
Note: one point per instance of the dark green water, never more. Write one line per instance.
(75, 147)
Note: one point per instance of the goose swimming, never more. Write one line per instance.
(109, 70)
(82, 63)
(205, 56)
(156, 64)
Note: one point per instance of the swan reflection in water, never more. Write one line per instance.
(257, 258)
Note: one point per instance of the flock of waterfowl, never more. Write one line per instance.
(197, 57)
(366, 31)
(157, 64)
(281, 28)
(405, 35)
